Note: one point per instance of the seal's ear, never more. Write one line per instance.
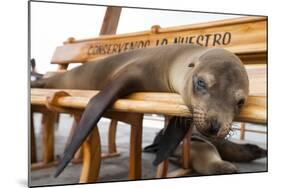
(192, 64)
(172, 136)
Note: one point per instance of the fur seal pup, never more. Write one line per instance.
(207, 155)
(213, 83)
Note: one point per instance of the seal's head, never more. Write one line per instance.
(219, 87)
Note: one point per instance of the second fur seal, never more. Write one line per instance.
(213, 83)
(207, 155)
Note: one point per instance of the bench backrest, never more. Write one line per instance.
(245, 36)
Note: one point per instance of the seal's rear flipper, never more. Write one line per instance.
(93, 112)
(235, 152)
(171, 138)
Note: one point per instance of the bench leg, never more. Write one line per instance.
(32, 140)
(112, 136)
(112, 149)
(91, 158)
(186, 149)
(242, 131)
(162, 169)
(78, 155)
(135, 121)
(49, 119)
(135, 165)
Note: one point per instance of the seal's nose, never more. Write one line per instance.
(214, 127)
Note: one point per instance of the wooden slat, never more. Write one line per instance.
(254, 111)
(254, 58)
(258, 79)
(43, 165)
(110, 20)
(244, 36)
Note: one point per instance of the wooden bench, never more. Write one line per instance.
(244, 36)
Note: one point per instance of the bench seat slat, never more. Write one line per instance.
(159, 103)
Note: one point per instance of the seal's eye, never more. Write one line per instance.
(200, 84)
(240, 103)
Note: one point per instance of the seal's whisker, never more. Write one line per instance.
(230, 132)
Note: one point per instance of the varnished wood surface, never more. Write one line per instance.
(160, 103)
(247, 39)
(110, 20)
(48, 137)
(186, 149)
(135, 163)
(91, 158)
(112, 136)
(162, 169)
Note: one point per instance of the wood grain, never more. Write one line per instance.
(254, 110)
(48, 136)
(91, 158)
(112, 136)
(135, 163)
(244, 36)
(186, 149)
(162, 169)
(110, 20)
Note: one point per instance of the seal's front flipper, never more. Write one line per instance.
(122, 85)
(154, 146)
(171, 138)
